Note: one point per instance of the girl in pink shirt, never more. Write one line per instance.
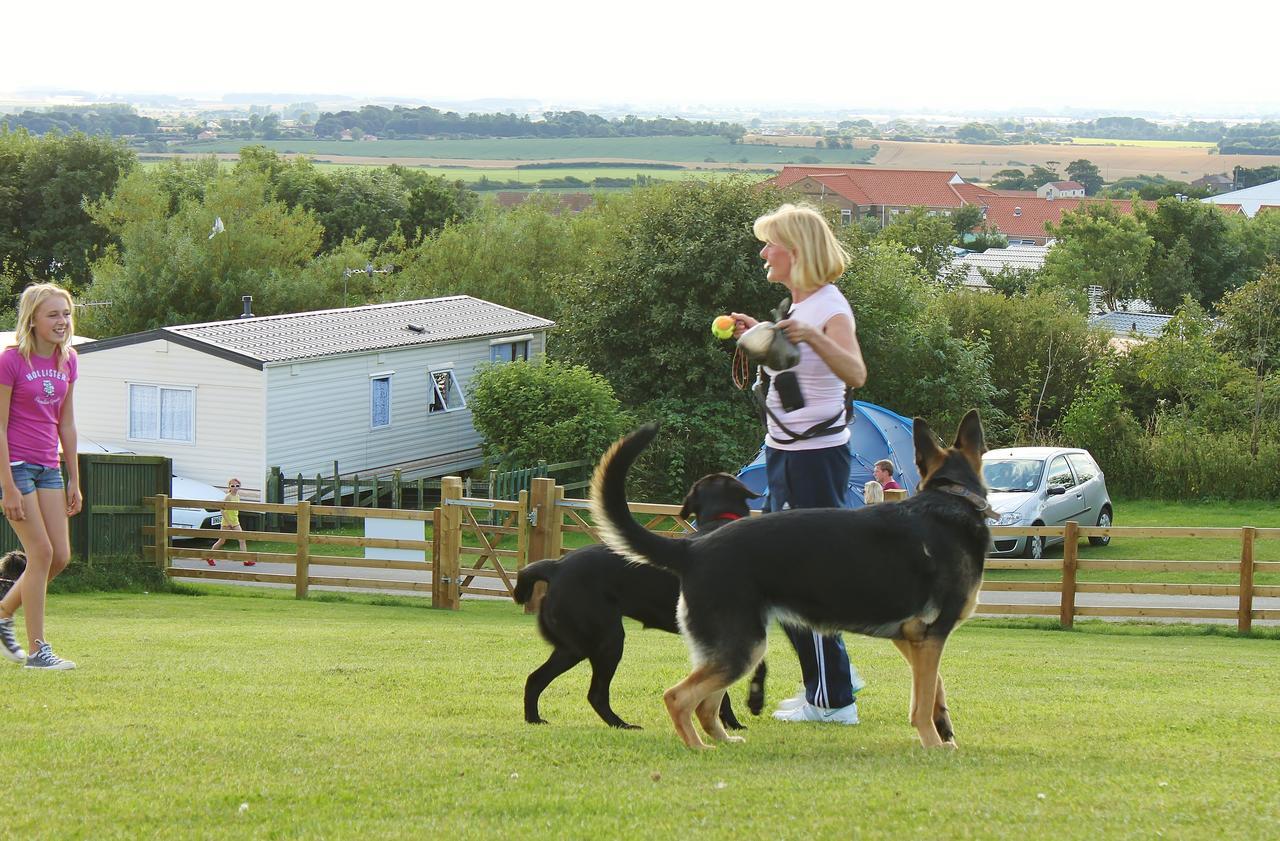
(36, 379)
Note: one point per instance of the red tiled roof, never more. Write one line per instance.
(891, 187)
(1021, 216)
(1228, 208)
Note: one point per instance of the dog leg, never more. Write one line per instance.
(604, 663)
(560, 661)
(708, 716)
(682, 699)
(908, 654)
(924, 690)
(755, 689)
(942, 716)
(727, 717)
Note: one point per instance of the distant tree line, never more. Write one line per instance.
(110, 120)
(425, 121)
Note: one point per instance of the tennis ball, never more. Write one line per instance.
(722, 327)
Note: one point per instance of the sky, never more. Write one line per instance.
(917, 55)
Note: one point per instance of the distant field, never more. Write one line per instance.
(979, 162)
(1146, 144)
(606, 149)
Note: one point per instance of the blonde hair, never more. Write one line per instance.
(817, 257)
(28, 306)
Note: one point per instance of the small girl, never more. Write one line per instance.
(37, 378)
(231, 520)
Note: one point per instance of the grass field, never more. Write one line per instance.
(250, 715)
(605, 149)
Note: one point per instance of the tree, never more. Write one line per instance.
(45, 233)
(169, 270)
(1099, 246)
(1011, 179)
(683, 253)
(1215, 259)
(531, 411)
(1084, 172)
(926, 236)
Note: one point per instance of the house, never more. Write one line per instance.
(1061, 190)
(883, 194)
(1214, 183)
(880, 194)
(1130, 328)
(373, 388)
(1251, 199)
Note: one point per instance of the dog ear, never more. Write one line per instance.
(970, 439)
(929, 456)
(690, 507)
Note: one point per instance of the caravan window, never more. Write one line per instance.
(380, 402)
(444, 393)
(162, 413)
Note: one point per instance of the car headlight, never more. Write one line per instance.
(1011, 518)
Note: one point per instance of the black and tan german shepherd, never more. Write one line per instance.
(905, 571)
(590, 589)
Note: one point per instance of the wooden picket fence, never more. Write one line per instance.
(477, 545)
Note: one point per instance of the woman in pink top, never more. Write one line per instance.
(36, 378)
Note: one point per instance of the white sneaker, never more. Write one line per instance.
(808, 712)
(9, 642)
(794, 702)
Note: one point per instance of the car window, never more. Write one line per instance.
(1084, 467)
(1060, 474)
(1015, 474)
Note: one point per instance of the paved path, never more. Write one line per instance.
(987, 598)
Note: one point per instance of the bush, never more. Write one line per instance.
(112, 574)
(549, 411)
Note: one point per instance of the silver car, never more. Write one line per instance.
(1044, 486)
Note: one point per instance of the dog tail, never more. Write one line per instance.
(535, 572)
(619, 529)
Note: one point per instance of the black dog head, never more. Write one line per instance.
(714, 496)
(960, 464)
(12, 565)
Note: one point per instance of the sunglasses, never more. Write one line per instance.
(233, 486)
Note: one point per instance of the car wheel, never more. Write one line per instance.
(1104, 521)
(1035, 546)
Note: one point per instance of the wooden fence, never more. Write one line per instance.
(477, 545)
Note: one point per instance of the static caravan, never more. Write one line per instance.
(374, 388)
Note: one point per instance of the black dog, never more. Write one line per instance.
(591, 589)
(12, 565)
(906, 571)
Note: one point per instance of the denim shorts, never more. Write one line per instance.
(28, 477)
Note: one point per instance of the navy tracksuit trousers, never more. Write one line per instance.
(815, 479)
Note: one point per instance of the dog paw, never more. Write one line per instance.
(625, 726)
(735, 739)
(536, 721)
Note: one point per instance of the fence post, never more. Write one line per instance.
(895, 494)
(1244, 620)
(1070, 559)
(444, 578)
(302, 567)
(522, 530)
(397, 493)
(544, 532)
(162, 531)
(275, 493)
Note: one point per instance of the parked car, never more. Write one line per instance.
(1045, 486)
(183, 488)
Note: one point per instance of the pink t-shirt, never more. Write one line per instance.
(35, 406)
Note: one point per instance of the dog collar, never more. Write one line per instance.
(976, 500)
(728, 515)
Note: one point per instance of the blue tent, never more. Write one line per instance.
(874, 433)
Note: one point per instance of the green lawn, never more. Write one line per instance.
(249, 715)
(688, 149)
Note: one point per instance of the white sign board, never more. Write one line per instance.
(395, 530)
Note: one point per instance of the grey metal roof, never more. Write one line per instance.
(1017, 258)
(1147, 324)
(311, 335)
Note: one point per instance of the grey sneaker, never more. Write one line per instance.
(44, 658)
(9, 642)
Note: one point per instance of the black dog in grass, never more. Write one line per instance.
(12, 565)
(592, 588)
